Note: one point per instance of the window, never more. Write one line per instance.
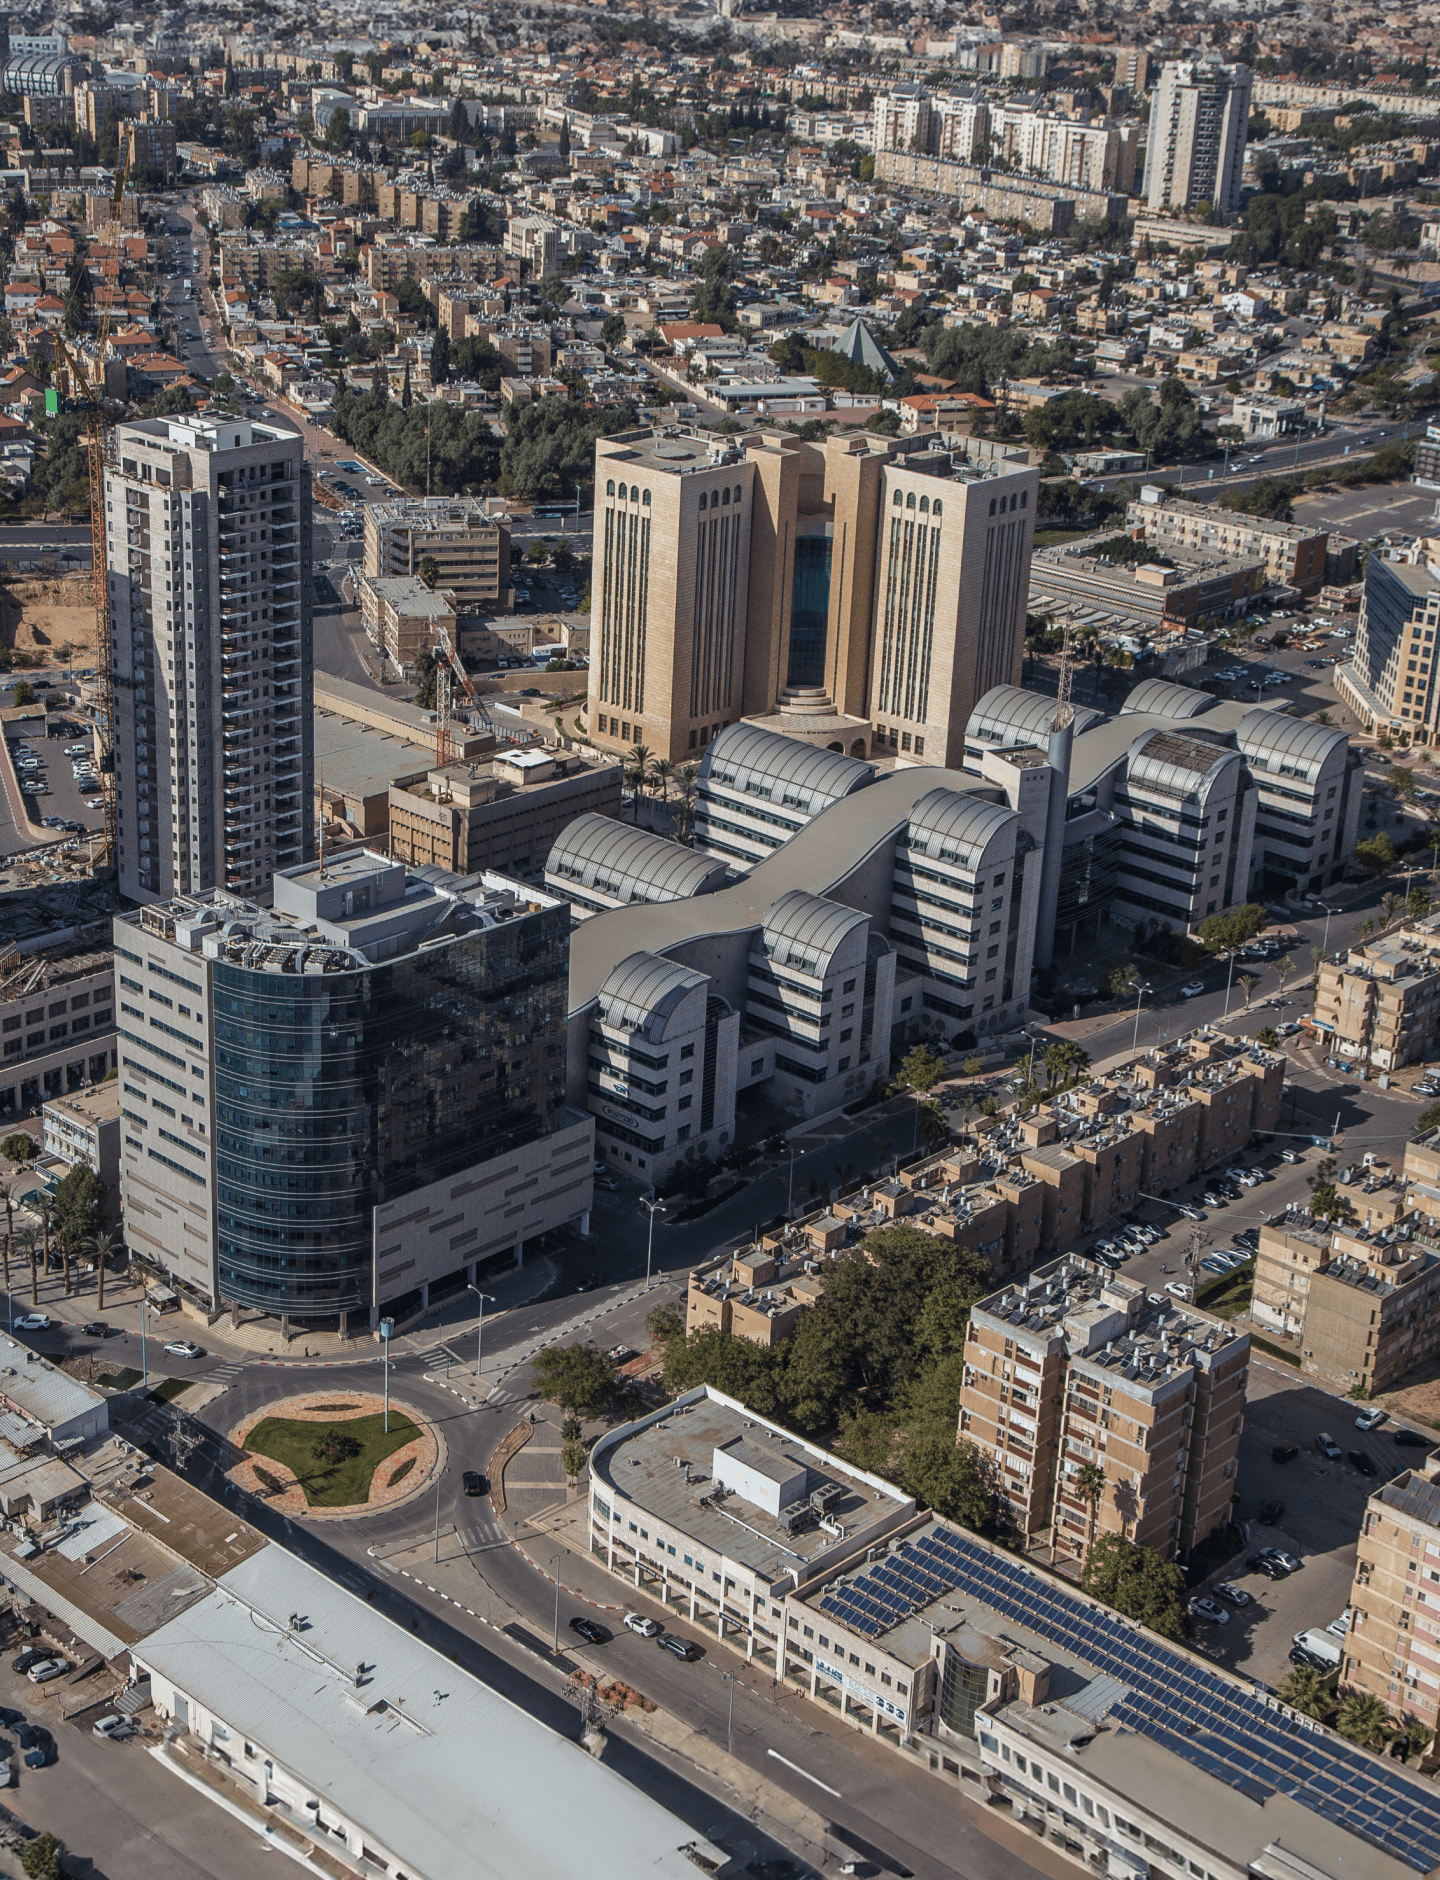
(622, 492)
(645, 500)
(610, 487)
(992, 505)
(704, 500)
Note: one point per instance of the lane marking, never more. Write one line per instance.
(806, 1773)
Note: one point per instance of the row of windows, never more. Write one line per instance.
(938, 508)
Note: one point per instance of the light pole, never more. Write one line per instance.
(555, 1560)
(387, 1329)
(1325, 938)
(1140, 992)
(480, 1325)
(652, 1207)
(790, 1197)
(730, 1718)
(1229, 981)
(438, 1480)
(144, 1361)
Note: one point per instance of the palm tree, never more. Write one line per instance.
(637, 769)
(660, 770)
(25, 1240)
(8, 1188)
(1247, 983)
(1284, 966)
(1365, 929)
(1089, 1485)
(1390, 906)
(1364, 1720)
(100, 1247)
(1308, 1691)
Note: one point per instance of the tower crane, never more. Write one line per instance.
(448, 663)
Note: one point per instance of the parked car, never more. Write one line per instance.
(183, 1348)
(643, 1624)
(1210, 1610)
(1328, 1447)
(1411, 1439)
(1233, 1595)
(1178, 1290)
(29, 1735)
(32, 1322)
(1361, 1463)
(116, 1729)
(1292, 1155)
(47, 1670)
(1190, 1212)
(592, 1633)
(97, 1328)
(1312, 1661)
(28, 1658)
(1338, 1628)
(1262, 1563)
(1290, 1562)
(1192, 989)
(678, 1647)
(1372, 1418)
(1284, 1452)
(1272, 1512)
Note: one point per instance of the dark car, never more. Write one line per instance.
(40, 1756)
(1411, 1439)
(10, 1718)
(677, 1647)
(97, 1328)
(30, 1734)
(26, 1659)
(1271, 1513)
(1284, 1452)
(1261, 1563)
(475, 1483)
(592, 1633)
(1360, 1461)
(1312, 1660)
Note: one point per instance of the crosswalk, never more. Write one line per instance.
(224, 1374)
(480, 1534)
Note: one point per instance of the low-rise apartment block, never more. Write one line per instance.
(1380, 1002)
(1293, 556)
(468, 542)
(83, 1131)
(502, 812)
(403, 617)
(57, 1025)
(1074, 1368)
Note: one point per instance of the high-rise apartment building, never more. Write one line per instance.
(860, 595)
(207, 525)
(1087, 155)
(1392, 681)
(469, 545)
(1392, 1649)
(1198, 126)
(1133, 66)
(1073, 1369)
(340, 1102)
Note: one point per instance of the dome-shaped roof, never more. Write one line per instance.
(642, 991)
(806, 930)
(1007, 714)
(1182, 766)
(632, 863)
(956, 826)
(1164, 699)
(1271, 740)
(776, 766)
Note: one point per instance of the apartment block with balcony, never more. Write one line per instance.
(57, 1025)
(1379, 1003)
(1392, 1649)
(1073, 1369)
(1294, 556)
(464, 536)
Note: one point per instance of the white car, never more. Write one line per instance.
(115, 1728)
(646, 1627)
(1178, 1291)
(1210, 1610)
(32, 1322)
(1192, 989)
(183, 1348)
(1372, 1418)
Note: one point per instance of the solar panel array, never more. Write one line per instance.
(1227, 1732)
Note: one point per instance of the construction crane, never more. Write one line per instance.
(1064, 710)
(91, 387)
(447, 662)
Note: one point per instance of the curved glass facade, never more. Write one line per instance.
(335, 1091)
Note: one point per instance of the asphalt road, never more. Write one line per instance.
(1248, 463)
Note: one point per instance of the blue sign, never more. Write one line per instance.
(387, 1328)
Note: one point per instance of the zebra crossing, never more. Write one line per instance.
(224, 1374)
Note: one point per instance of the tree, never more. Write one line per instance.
(1223, 933)
(1284, 967)
(1065, 1061)
(1365, 1721)
(79, 1211)
(24, 693)
(945, 1475)
(101, 1249)
(1427, 1120)
(1402, 780)
(1247, 983)
(1089, 1484)
(573, 1457)
(1417, 903)
(1310, 1692)
(564, 140)
(41, 1858)
(612, 331)
(1269, 1037)
(920, 1070)
(577, 1377)
(338, 134)
(429, 570)
(1138, 1583)
(714, 298)
(18, 1147)
(1376, 853)
(1327, 1202)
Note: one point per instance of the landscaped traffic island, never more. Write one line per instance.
(330, 1453)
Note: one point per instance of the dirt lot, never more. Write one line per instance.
(54, 616)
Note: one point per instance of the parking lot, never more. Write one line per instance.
(1323, 1507)
(52, 768)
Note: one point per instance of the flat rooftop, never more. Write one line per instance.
(424, 1759)
(352, 759)
(641, 1469)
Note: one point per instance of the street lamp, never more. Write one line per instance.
(142, 1302)
(479, 1325)
(652, 1207)
(1140, 991)
(1325, 939)
(555, 1560)
(439, 1478)
(790, 1197)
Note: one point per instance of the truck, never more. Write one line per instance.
(1319, 1644)
(189, 289)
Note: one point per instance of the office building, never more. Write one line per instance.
(465, 536)
(750, 1513)
(57, 1025)
(208, 542)
(598, 863)
(1379, 1003)
(420, 1013)
(1198, 125)
(881, 579)
(299, 1699)
(757, 787)
(1392, 1648)
(403, 617)
(83, 1131)
(1073, 1367)
(1293, 556)
(1391, 682)
(503, 812)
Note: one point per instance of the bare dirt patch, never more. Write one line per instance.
(48, 615)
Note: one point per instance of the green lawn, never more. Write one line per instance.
(331, 1485)
(119, 1380)
(172, 1388)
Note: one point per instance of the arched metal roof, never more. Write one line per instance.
(782, 768)
(806, 930)
(1164, 699)
(36, 74)
(642, 992)
(1275, 740)
(1007, 714)
(958, 827)
(631, 863)
(1183, 766)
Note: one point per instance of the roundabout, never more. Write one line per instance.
(328, 1455)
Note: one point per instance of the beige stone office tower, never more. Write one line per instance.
(862, 594)
(207, 526)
